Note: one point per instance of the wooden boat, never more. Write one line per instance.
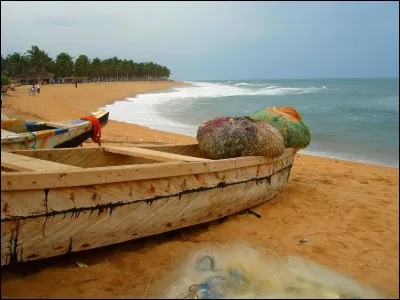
(20, 135)
(67, 200)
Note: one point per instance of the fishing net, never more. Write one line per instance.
(289, 122)
(227, 137)
(243, 272)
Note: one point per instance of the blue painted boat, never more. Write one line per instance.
(22, 135)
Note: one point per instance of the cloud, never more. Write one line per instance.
(195, 36)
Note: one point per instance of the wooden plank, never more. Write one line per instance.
(186, 149)
(24, 163)
(152, 154)
(67, 198)
(111, 174)
(166, 145)
(42, 237)
(70, 156)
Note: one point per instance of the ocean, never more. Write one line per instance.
(351, 119)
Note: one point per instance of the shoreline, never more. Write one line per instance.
(162, 121)
(347, 210)
(349, 160)
(159, 135)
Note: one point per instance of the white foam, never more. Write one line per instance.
(142, 109)
(243, 83)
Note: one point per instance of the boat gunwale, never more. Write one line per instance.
(32, 180)
(28, 136)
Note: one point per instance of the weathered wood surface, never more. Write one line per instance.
(6, 133)
(113, 174)
(45, 222)
(152, 154)
(24, 163)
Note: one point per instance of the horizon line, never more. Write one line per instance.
(320, 78)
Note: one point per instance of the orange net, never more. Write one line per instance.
(288, 112)
(96, 128)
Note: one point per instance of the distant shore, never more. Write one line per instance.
(347, 211)
(64, 101)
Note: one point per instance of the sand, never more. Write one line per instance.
(347, 211)
(64, 102)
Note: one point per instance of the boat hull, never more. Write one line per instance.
(72, 134)
(57, 221)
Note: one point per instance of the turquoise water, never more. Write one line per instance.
(353, 119)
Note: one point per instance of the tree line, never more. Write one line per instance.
(36, 61)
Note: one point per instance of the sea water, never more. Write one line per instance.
(351, 119)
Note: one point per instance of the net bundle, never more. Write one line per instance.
(227, 137)
(242, 271)
(289, 123)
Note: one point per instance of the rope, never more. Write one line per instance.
(96, 128)
(34, 144)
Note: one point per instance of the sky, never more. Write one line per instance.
(208, 40)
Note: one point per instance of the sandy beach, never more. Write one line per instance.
(348, 212)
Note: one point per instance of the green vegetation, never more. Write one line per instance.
(4, 81)
(37, 64)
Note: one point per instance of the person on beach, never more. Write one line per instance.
(38, 88)
(32, 90)
(76, 84)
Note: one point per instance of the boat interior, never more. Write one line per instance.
(89, 157)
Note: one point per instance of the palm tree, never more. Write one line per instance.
(51, 67)
(64, 65)
(116, 67)
(132, 68)
(81, 67)
(141, 71)
(107, 69)
(125, 68)
(111, 68)
(17, 64)
(95, 68)
(166, 72)
(38, 60)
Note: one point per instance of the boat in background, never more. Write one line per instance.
(18, 134)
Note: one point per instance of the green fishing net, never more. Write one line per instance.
(289, 123)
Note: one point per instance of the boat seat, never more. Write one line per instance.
(152, 154)
(25, 163)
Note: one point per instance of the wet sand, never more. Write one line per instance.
(348, 212)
